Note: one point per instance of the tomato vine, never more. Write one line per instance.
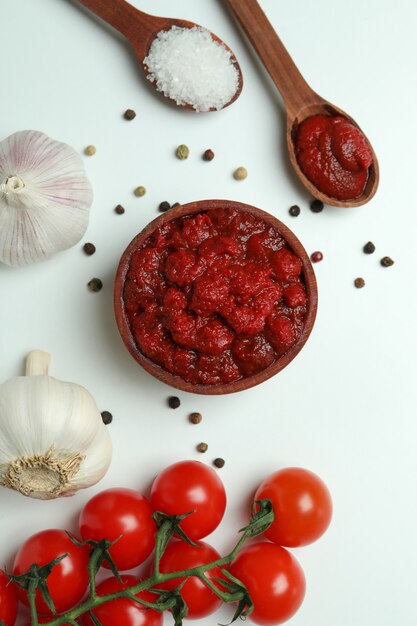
(228, 588)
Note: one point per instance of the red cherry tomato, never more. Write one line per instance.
(179, 555)
(68, 580)
(190, 486)
(120, 512)
(274, 579)
(8, 600)
(302, 506)
(124, 612)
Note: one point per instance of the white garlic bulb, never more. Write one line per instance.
(45, 197)
(52, 438)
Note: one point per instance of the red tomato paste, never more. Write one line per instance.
(334, 155)
(215, 297)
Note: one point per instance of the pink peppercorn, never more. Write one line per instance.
(317, 256)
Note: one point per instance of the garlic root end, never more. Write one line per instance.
(43, 476)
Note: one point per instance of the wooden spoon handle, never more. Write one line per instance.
(121, 15)
(294, 90)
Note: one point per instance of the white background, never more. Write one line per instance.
(345, 407)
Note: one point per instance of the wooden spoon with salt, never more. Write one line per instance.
(141, 29)
(299, 99)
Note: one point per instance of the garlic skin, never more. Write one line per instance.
(52, 438)
(45, 197)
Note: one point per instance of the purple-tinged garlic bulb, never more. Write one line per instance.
(45, 197)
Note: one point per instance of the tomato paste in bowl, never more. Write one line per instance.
(215, 296)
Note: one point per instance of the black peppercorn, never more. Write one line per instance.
(195, 418)
(208, 155)
(219, 462)
(119, 209)
(316, 206)
(129, 114)
(89, 248)
(369, 248)
(107, 417)
(294, 210)
(174, 402)
(95, 284)
(174, 206)
(164, 206)
(386, 261)
(359, 283)
(202, 447)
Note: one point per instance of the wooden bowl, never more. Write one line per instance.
(244, 383)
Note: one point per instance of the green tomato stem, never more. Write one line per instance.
(221, 594)
(32, 602)
(92, 571)
(157, 579)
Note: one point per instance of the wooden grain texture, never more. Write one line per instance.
(140, 29)
(239, 385)
(299, 99)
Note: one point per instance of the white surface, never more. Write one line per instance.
(345, 407)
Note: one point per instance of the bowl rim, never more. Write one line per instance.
(173, 380)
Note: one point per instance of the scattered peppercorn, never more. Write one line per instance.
(386, 261)
(107, 417)
(202, 447)
(140, 191)
(119, 209)
(208, 155)
(182, 152)
(316, 206)
(174, 206)
(174, 402)
(219, 462)
(164, 206)
(359, 283)
(90, 150)
(317, 256)
(294, 210)
(195, 418)
(89, 248)
(95, 284)
(129, 114)
(369, 248)
(240, 174)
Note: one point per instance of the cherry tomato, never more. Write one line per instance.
(116, 512)
(179, 555)
(68, 580)
(124, 612)
(302, 506)
(274, 579)
(8, 600)
(190, 486)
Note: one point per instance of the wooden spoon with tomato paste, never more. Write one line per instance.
(301, 102)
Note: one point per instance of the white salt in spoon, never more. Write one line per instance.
(172, 50)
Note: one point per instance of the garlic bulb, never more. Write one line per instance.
(52, 438)
(45, 197)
